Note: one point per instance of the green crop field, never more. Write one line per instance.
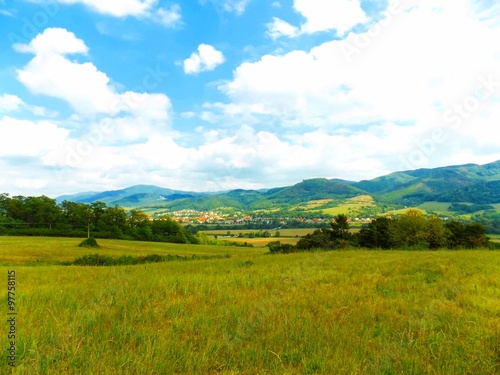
(340, 312)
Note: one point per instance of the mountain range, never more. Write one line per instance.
(469, 183)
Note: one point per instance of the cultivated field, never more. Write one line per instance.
(293, 232)
(494, 237)
(343, 312)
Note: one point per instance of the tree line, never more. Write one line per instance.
(43, 216)
(410, 231)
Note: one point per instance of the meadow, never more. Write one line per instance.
(341, 312)
(286, 236)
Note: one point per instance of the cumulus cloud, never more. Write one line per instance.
(12, 103)
(320, 15)
(342, 81)
(278, 28)
(142, 9)
(418, 82)
(86, 89)
(37, 137)
(54, 41)
(357, 107)
(206, 59)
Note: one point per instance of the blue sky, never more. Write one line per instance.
(210, 95)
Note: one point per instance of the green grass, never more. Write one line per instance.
(292, 232)
(494, 237)
(262, 242)
(352, 205)
(437, 207)
(349, 312)
(48, 250)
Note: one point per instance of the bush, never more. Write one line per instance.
(89, 242)
(276, 247)
(126, 260)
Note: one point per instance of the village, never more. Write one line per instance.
(194, 217)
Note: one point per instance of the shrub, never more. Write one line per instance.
(276, 247)
(89, 242)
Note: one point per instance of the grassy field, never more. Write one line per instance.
(262, 242)
(437, 207)
(47, 251)
(494, 237)
(290, 236)
(293, 232)
(349, 312)
(355, 204)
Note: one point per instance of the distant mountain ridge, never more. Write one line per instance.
(462, 183)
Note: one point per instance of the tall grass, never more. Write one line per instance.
(352, 312)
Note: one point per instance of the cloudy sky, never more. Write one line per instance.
(210, 95)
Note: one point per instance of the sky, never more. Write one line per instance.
(212, 95)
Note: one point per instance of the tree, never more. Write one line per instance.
(75, 214)
(168, 230)
(376, 235)
(4, 202)
(340, 228)
(138, 218)
(434, 233)
(409, 230)
(336, 237)
(319, 239)
(475, 236)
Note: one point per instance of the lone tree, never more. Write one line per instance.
(325, 238)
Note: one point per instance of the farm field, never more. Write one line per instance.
(353, 204)
(262, 242)
(293, 232)
(49, 251)
(437, 207)
(494, 237)
(342, 312)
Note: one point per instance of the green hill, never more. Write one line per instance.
(478, 184)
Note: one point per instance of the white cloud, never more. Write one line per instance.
(54, 41)
(82, 85)
(141, 9)
(320, 15)
(10, 103)
(395, 75)
(278, 28)
(168, 17)
(233, 6)
(308, 113)
(236, 6)
(37, 138)
(206, 59)
(116, 8)
(389, 74)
